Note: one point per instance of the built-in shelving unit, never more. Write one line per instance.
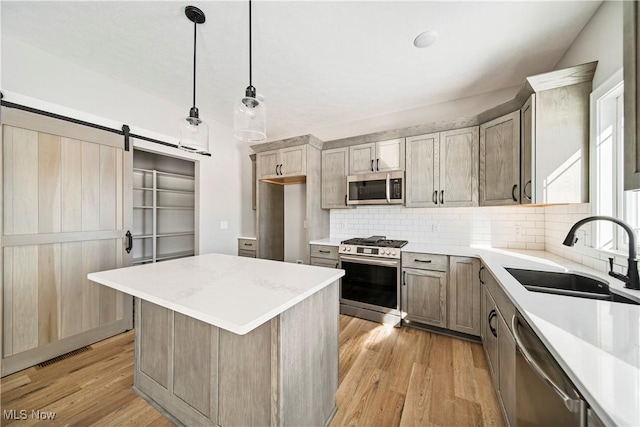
(163, 215)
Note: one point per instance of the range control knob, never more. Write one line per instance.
(348, 248)
(393, 253)
(387, 252)
(343, 249)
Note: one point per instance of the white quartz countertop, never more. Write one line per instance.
(331, 241)
(597, 343)
(234, 293)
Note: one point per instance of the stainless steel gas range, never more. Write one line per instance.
(370, 288)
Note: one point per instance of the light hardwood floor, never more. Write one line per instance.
(388, 377)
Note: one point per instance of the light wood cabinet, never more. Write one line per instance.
(247, 247)
(163, 215)
(424, 296)
(285, 162)
(500, 161)
(335, 168)
(324, 256)
(555, 144)
(464, 295)
(631, 55)
(507, 368)
(382, 156)
(442, 169)
(499, 344)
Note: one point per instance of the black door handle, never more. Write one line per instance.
(371, 165)
(524, 190)
(277, 169)
(442, 197)
(492, 315)
(480, 274)
(428, 261)
(129, 241)
(513, 192)
(435, 197)
(377, 164)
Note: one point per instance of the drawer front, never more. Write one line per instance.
(322, 251)
(324, 262)
(247, 244)
(246, 253)
(425, 261)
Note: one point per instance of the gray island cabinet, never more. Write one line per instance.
(228, 341)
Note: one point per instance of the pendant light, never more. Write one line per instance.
(194, 132)
(250, 115)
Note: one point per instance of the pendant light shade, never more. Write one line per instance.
(250, 113)
(194, 132)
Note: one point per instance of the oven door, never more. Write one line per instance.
(371, 284)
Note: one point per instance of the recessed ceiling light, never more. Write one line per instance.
(426, 39)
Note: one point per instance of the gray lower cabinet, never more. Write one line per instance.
(464, 295)
(324, 256)
(499, 344)
(247, 247)
(335, 168)
(500, 161)
(424, 296)
(283, 373)
(507, 370)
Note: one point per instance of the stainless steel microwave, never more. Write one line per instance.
(385, 188)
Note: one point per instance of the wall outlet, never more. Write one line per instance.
(224, 225)
(434, 228)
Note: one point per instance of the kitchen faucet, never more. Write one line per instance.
(631, 279)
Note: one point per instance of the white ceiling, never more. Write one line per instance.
(318, 64)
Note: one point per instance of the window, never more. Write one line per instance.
(608, 196)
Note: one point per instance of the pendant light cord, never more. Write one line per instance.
(195, 26)
(250, 55)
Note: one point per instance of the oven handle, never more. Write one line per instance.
(388, 188)
(365, 260)
(568, 401)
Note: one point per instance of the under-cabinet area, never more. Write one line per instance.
(163, 208)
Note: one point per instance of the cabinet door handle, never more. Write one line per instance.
(524, 190)
(404, 278)
(377, 164)
(480, 274)
(345, 200)
(426, 261)
(442, 197)
(337, 263)
(277, 169)
(492, 315)
(435, 197)
(129, 241)
(513, 192)
(371, 165)
(280, 168)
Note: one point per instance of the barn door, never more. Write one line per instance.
(66, 208)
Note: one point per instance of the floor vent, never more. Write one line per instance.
(64, 356)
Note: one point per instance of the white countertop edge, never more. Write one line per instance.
(212, 320)
(330, 241)
(248, 238)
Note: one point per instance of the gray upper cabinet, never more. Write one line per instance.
(500, 161)
(423, 183)
(442, 169)
(335, 168)
(555, 145)
(631, 44)
(382, 156)
(284, 162)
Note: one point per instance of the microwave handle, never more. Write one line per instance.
(388, 188)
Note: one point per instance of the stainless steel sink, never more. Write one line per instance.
(571, 284)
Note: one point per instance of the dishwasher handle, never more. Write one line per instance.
(571, 403)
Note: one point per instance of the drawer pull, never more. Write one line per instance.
(324, 252)
(248, 244)
(428, 261)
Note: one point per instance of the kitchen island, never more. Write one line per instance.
(226, 340)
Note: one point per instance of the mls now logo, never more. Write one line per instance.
(23, 414)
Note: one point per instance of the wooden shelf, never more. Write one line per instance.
(164, 190)
(143, 188)
(143, 207)
(176, 234)
(184, 208)
(174, 255)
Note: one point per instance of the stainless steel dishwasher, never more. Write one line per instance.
(544, 394)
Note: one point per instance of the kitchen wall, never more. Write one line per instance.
(502, 227)
(36, 78)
